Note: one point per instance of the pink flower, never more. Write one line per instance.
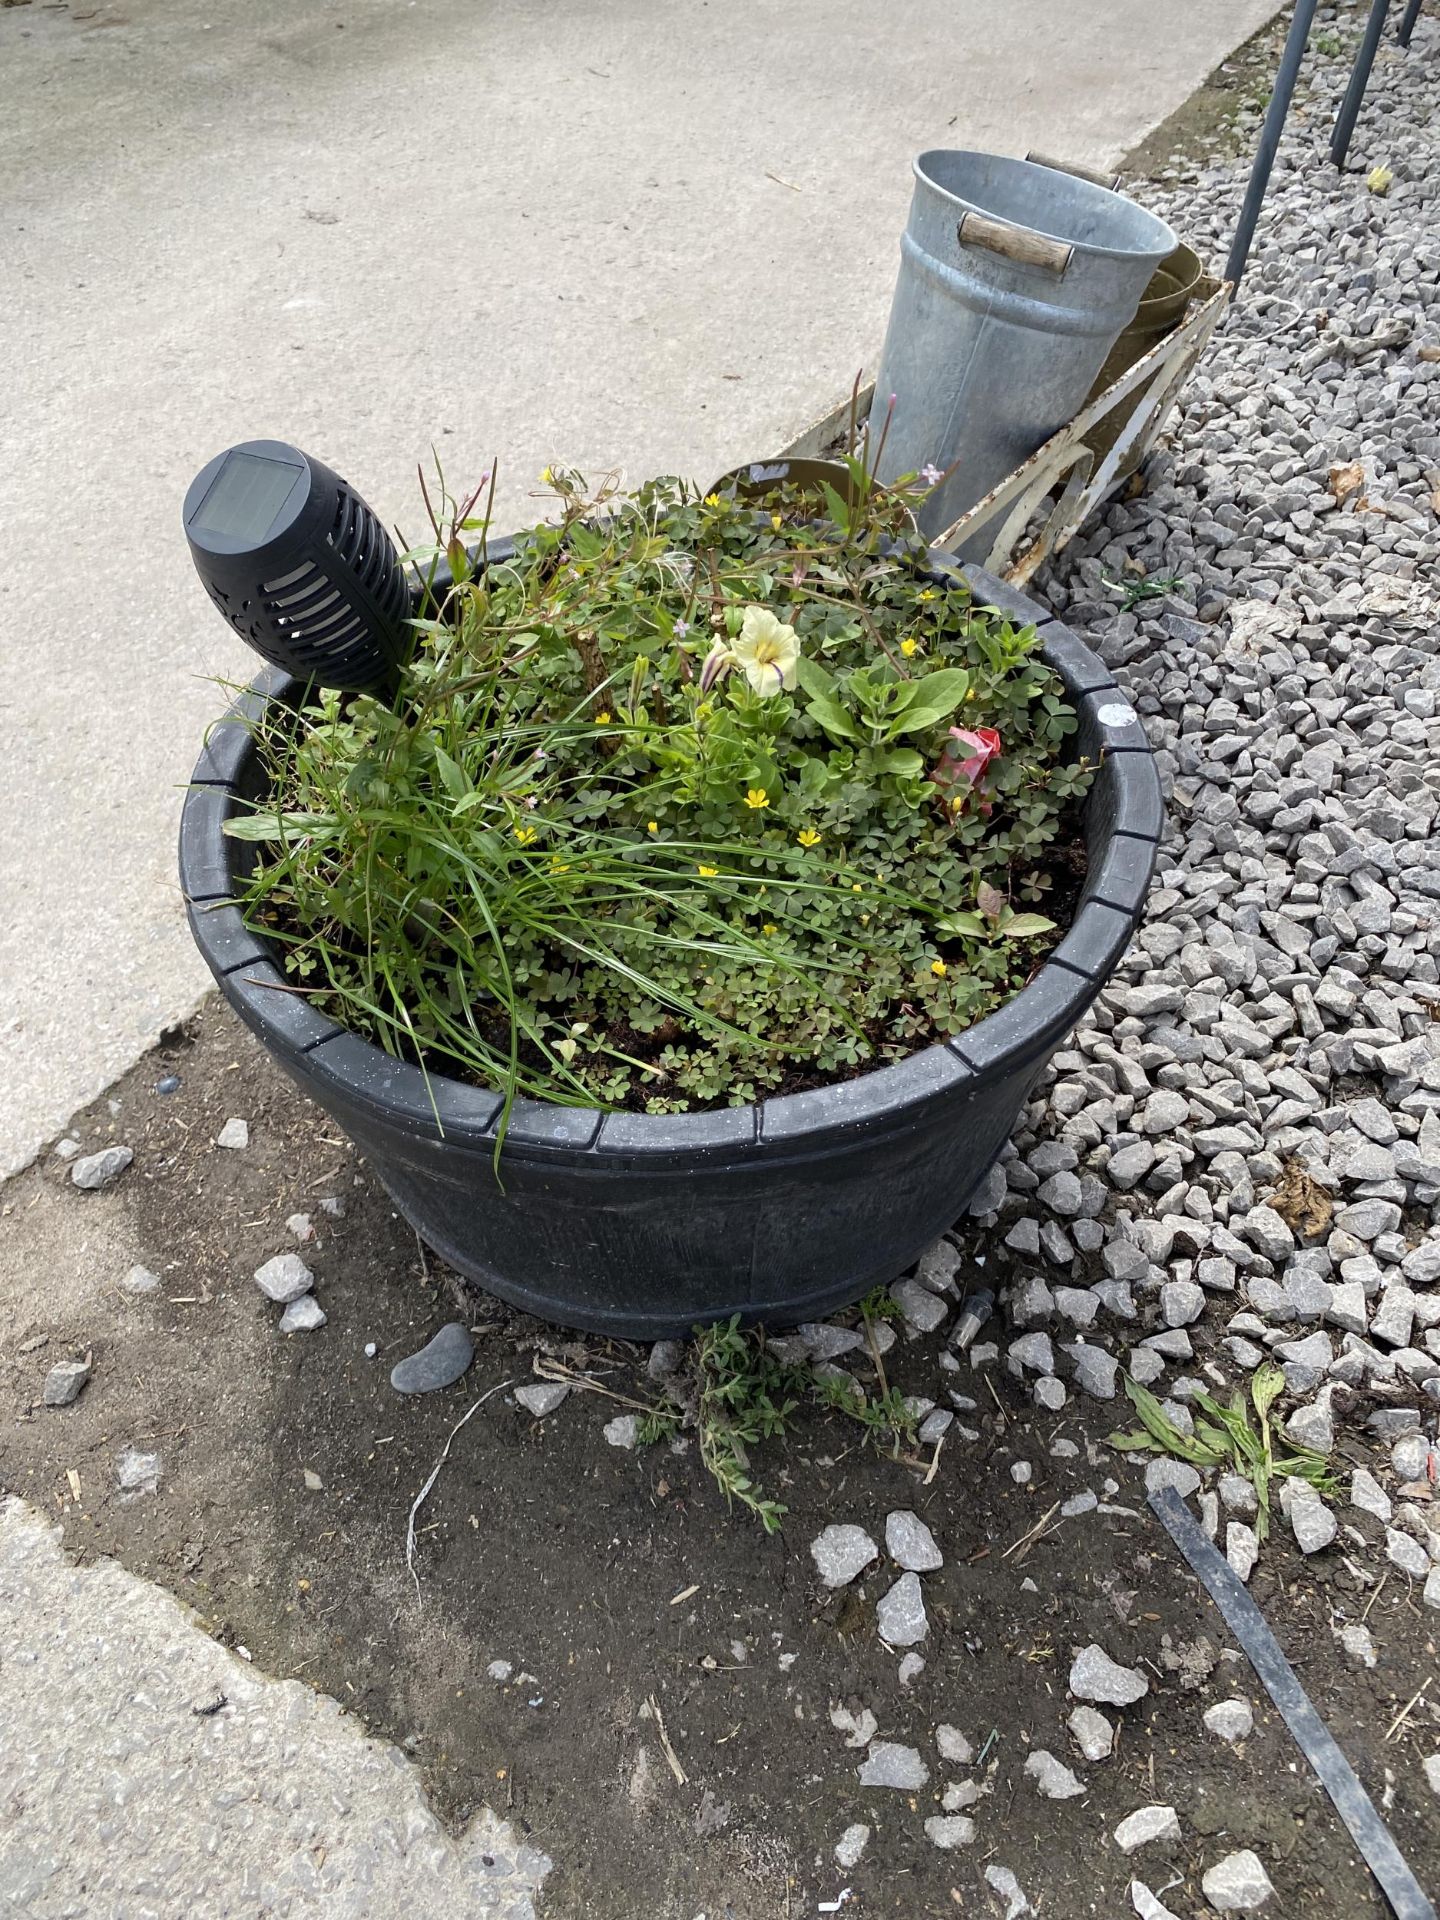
(982, 745)
(963, 765)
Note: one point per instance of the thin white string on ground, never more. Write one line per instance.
(425, 1491)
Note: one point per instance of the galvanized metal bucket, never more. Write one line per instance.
(1016, 279)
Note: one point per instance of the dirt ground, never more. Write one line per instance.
(610, 1579)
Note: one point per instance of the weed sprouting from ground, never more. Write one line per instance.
(1225, 1438)
(741, 1393)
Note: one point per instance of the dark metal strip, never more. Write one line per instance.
(1312, 1736)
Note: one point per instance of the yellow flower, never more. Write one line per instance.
(767, 651)
(547, 479)
(855, 887)
(712, 499)
(707, 873)
(1378, 179)
(602, 719)
(939, 969)
(808, 837)
(929, 594)
(525, 835)
(769, 927)
(909, 648)
(756, 798)
(652, 826)
(775, 522)
(559, 866)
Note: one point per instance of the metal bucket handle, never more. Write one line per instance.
(1021, 244)
(1110, 181)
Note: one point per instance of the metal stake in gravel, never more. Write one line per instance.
(1312, 1736)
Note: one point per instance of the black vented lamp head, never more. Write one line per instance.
(299, 565)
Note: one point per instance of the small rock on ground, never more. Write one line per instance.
(439, 1363)
(92, 1171)
(1230, 1720)
(900, 1614)
(954, 1746)
(542, 1397)
(623, 1431)
(851, 1844)
(235, 1134)
(1053, 1778)
(64, 1382)
(1092, 1732)
(140, 1280)
(1237, 1884)
(1008, 1888)
(1145, 1826)
(841, 1552)
(911, 1544)
(949, 1830)
(1095, 1676)
(305, 1315)
(284, 1278)
(888, 1764)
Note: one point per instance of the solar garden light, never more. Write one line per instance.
(299, 565)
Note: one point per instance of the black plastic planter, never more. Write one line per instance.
(641, 1226)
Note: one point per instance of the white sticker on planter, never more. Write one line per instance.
(1117, 714)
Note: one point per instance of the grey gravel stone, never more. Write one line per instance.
(1003, 1882)
(1181, 1303)
(1179, 1474)
(442, 1361)
(140, 1280)
(235, 1134)
(665, 1359)
(1237, 1884)
(1357, 1644)
(1312, 1523)
(1242, 1548)
(900, 1614)
(1230, 1720)
(1407, 1554)
(284, 1278)
(1052, 1777)
(949, 1830)
(841, 1552)
(954, 1746)
(851, 1845)
(1095, 1370)
(1367, 1494)
(92, 1171)
(910, 1543)
(304, 1315)
(64, 1382)
(1145, 1826)
(1095, 1676)
(542, 1397)
(888, 1764)
(923, 1311)
(137, 1473)
(1092, 1733)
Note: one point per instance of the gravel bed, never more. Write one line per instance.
(1237, 1156)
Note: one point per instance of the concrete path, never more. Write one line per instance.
(126, 1789)
(649, 235)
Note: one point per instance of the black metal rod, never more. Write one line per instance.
(1359, 80)
(1275, 113)
(1407, 25)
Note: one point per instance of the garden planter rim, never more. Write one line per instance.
(1026, 1027)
